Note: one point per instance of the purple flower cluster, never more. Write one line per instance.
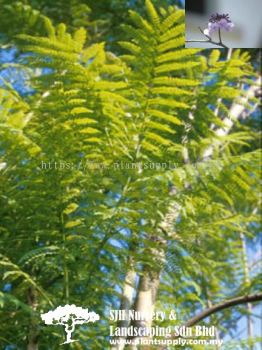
(217, 22)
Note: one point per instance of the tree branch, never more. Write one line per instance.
(222, 306)
(235, 112)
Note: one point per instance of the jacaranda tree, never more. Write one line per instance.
(128, 181)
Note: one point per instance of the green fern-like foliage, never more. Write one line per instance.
(77, 219)
(160, 81)
(86, 83)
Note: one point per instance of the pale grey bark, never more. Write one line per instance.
(146, 297)
(126, 302)
(236, 111)
(148, 285)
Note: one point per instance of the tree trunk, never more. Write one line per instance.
(145, 299)
(126, 303)
(148, 286)
(146, 296)
(33, 333)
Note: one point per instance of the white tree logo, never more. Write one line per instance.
(68, 316)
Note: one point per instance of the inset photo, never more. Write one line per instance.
(223, 23)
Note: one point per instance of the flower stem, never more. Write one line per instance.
(209, 39)
(219, 35)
